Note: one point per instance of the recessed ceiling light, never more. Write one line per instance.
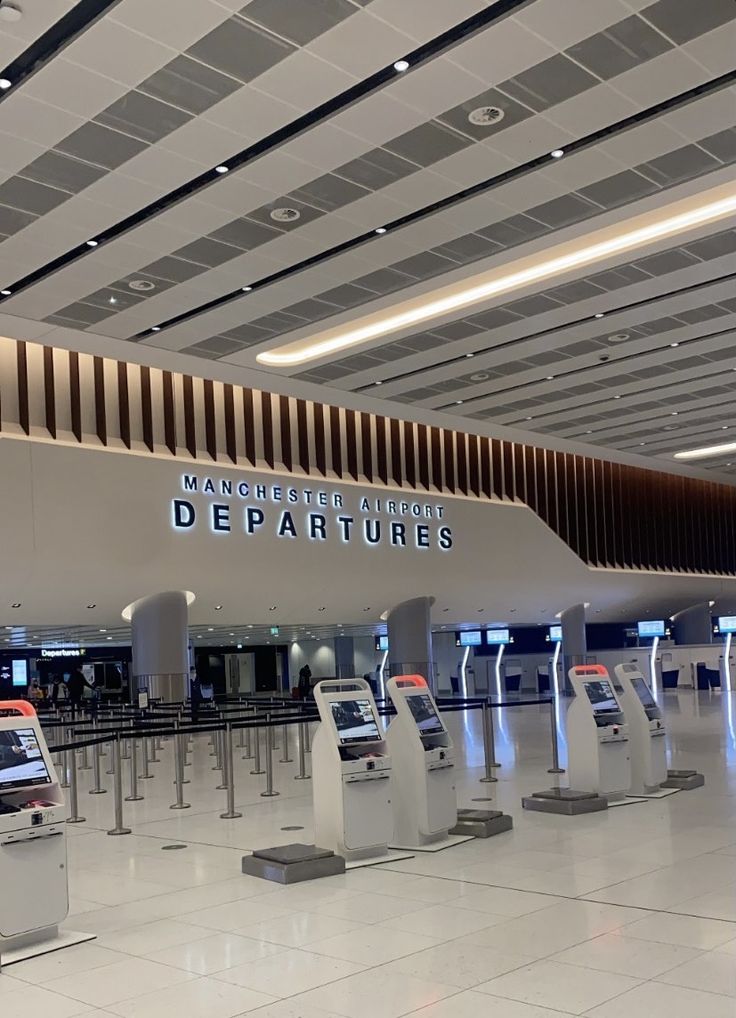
(6, 293)
(16, 604)
(103, 630)
(247, 289)
(674, 413)
(528, 418)
(617, 397)
(588, 432)
(222, 168)
(458, 402)
(724, 427)
(599, 314)
(378, 383)
(470, 355)
(155, 328)
(5, 83)
(674, 344)
(550, 378)
(113, 300)
(92, 243)
(705, 451)
(642, 443)
(108, 638)
(93, 605)
(218, 607)
(210, 629)
(199, 636)
(401, 65)
(597, 246)
(380, 229)
(557, 153)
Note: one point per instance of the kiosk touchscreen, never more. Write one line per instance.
(33, 896)
(646, 731)
(597, 735)
(424, 799)
(351, 768)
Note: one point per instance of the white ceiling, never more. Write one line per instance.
(152, 95)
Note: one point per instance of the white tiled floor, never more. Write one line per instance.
(625, 914)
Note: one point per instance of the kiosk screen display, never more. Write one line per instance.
(555, 634)
(355, 721)
(497, 636)
(21, 760)
(602, 697)
(643, 691)
(382, 643)
(470, 638)
(727, 623)
(425, 714)
(650, 627)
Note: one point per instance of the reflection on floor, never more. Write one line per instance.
(626, 914)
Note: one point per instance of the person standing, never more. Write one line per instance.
(305, 682)
(76, 685)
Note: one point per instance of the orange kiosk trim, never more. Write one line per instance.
(20, 706)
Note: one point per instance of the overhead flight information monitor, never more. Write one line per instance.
(602, 697)
(497, 636)
(355, 721)
(21, 760)
(650, 627)
(470, 638)
(555, 634)
(381, 643)
(727, 623)
(425, 714)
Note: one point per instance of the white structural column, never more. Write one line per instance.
(574, 640)
(159, 631)
(692, 626)
(410, 639)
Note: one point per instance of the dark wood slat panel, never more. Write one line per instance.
(616, 523)
(423, 455)
(581, 508)
(49, 390)
(335, 444)
(473, 465)
(351, 443)
(539, 473)
(123, 400)
(98, 371)
(600, 513)
(249, 424)
(366, 446)
(147, 407)
(285, 422)
(449, 450)
(395, 442)
(381, 449)
(190, 427)
(462, 462)
(169, 412)
(519, 473)
(410, 463)
(575, 537)
(486, 476)
(302, 428)
(497, 467)
(231, 442)
(75, 397)
(508, 450)
(530, 478)
(24, 418)
(267, 427)
(320, 438)
(436, 440)
(210, 420)
(560, 493)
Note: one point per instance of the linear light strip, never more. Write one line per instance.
(706, 451)
(301, 352)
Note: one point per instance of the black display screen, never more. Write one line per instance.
(425, 714)
(21, 759)
(602, 697)
(355, 721)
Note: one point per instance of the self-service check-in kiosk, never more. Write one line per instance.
(597, 735)
(34, 895)
(646, 731)
(423, 776)
(351, 772)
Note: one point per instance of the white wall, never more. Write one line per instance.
(318, 654)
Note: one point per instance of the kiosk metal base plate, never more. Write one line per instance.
(482, 823)
(60, 939)
(684, 780)
(454, 837)
(565, 801)
(290, 864)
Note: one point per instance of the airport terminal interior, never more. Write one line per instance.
(367, 508)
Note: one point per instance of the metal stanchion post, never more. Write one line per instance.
(229, 776)
(248, 755)
(85, 765)
(302, 775)
(489, 743)
(126, 749)
(146, 760)
(117, 758)
(217, 737)
(65, 736)
(269, 765)
(221, 754)
(307, 738)
(153, 758)
(555, 768)
(97, 769)
(133, 797)
(178, 771)
(285, 758)
(74, 818)
(241, 736)
(257, 769)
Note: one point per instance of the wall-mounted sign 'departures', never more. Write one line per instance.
(227, 506)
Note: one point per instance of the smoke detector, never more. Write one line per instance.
(10, 12)
(486, 116)
(141, 285)
(618, 337)
(285, 215)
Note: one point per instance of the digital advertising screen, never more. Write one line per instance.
(727, 623)
(355, 721)
(21, 760)
(602, 697)
(643, 691)
(555, 634)
(20, 673)
(382, 643)
(651, 627)
(497, 636)
(425, 714)
(470, 638)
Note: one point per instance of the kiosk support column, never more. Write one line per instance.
(574, 641)
(410, 639)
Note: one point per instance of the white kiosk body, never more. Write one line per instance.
(34, 895)
(423, 781)
(646, 731)
(597, 735)
(351, 772)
